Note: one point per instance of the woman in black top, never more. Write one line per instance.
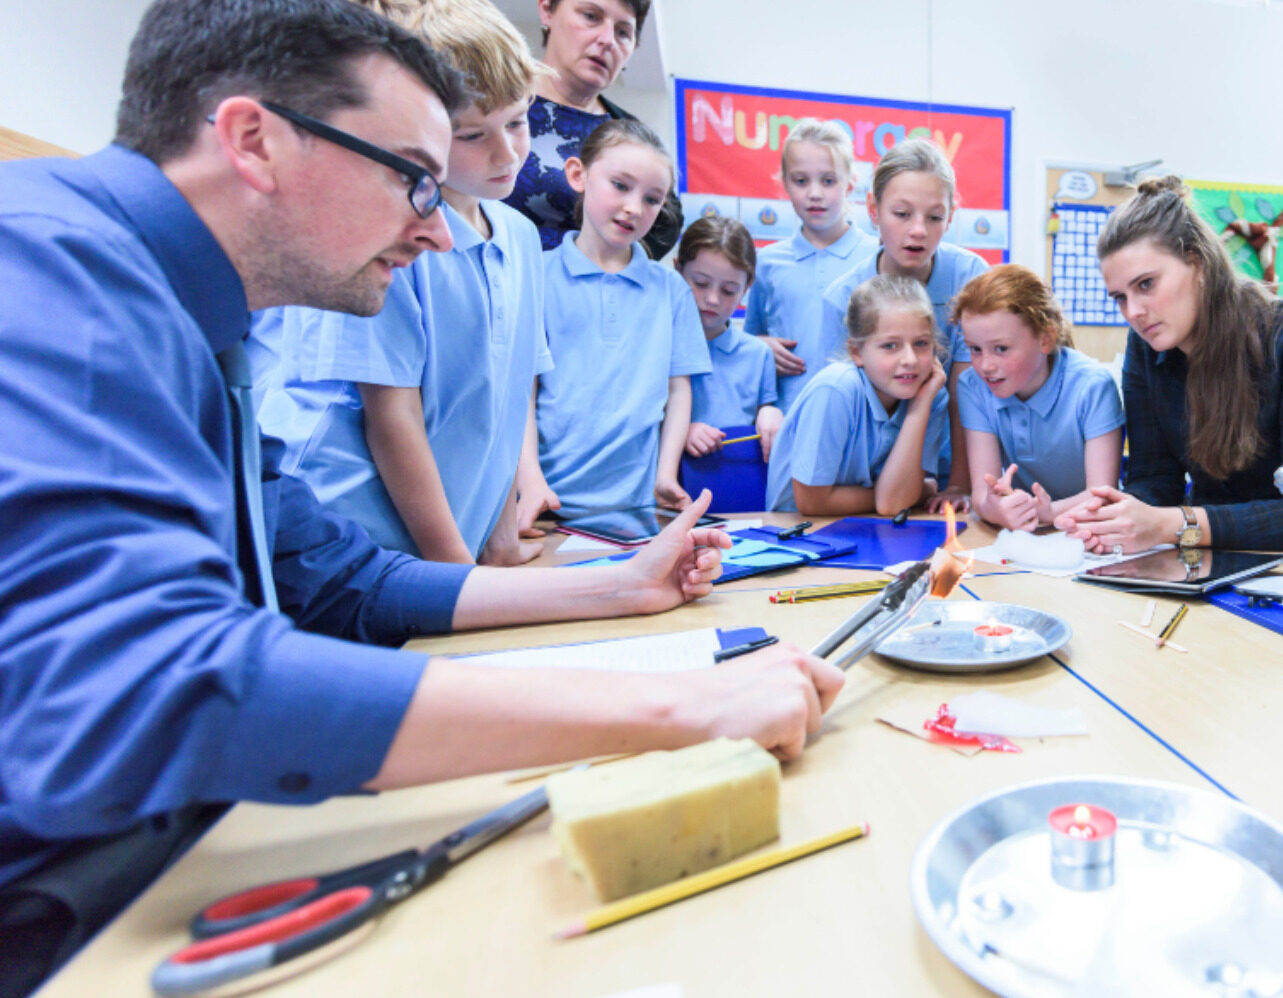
(1201, 387)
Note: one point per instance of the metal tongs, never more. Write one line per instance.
(879, 618)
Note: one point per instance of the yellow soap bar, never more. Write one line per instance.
(641, 822)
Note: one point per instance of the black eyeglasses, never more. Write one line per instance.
(424, 193)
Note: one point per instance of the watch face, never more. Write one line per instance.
(1189, 537)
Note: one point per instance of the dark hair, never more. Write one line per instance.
(640, 9)
(1226, 347)
(613, 132)
(721, 234)
(188, 55)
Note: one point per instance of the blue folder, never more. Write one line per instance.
(1266, 614)
(879, 542)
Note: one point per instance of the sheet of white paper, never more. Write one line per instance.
(676, 652)
(1266, 585)
(574, 544)
(988, 713)
(653, 991)
(733, 525)
(993, 554)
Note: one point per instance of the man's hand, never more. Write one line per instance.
(677, 566)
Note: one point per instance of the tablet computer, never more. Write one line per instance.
(627, 527)
(1187, 572)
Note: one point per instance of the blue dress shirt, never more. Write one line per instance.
(785, 300)
(1046, 434)
(466, 328)
(741, 382)
(1244, 510)
(616, 339)
(840, 433)
(135, 678)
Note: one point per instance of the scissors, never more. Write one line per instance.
(265, 926)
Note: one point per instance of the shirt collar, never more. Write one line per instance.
(1043, 401)
(850, 241)
(724, 341)
(940, 283)
(802, 247)
(203, 278)
(876, 408)
(578, 265)
(466, 237)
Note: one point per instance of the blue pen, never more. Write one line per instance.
(748, 646)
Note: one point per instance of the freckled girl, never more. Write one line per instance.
(718, 259)
(865, 434)
(817, 172)
(1031, 404)
(624, 335)
(911, 203)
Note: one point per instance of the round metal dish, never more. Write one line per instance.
(940, 636)
(1196, 906)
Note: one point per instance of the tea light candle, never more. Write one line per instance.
(993, 637)
(1082, 846)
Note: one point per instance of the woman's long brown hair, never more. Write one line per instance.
(1227, 348)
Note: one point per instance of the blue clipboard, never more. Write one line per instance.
(879, 542)
(1266, 614)
(759, 549)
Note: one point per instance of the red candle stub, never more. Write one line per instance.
(993, 636)
(1082, 846)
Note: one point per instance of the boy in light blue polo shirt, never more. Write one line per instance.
(412, 422)
(818, 172)
(1030, 404)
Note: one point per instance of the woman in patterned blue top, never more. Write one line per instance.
(587, 43)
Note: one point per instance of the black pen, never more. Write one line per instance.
(737, 650)
(790, 532)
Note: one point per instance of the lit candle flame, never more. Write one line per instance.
(951, 562)
(1082, 815)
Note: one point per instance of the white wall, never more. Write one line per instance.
(1094, 81)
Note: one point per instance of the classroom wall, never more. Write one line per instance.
(1097, 82)
(1093, 82)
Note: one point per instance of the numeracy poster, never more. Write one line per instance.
(728, 156)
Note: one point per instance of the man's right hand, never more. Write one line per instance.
(776, 696)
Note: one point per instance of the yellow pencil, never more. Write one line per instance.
(740, 440)
(809, 593)
(679, 890)
(1171, 624)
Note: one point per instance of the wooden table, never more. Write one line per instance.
(839, 922)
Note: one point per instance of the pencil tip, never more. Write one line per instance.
(570, 932)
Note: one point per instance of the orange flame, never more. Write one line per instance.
(951, 562)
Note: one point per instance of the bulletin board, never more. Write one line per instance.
(1259, 205)
(1081, 203)
(728, 156)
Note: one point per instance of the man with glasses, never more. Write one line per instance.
(269, 152)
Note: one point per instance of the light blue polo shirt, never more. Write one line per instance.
(953, 268)
(1046, 435)
(617, 339)
(466, 328)
(741, 382)
(839, 433)
(785, 300)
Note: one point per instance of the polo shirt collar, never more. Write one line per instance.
(724, 341)
(879, 411)
(851, 240)
(199, 271)
(466, 237)
(1044, 400)
(578, 265)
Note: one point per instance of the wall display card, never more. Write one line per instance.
(1075, 276)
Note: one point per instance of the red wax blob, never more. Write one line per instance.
(1096, 823)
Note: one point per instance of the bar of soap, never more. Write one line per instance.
(641, 822)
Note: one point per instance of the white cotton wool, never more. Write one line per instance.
(1054, 551)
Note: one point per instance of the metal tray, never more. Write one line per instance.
(940, 636)
(1196, 906)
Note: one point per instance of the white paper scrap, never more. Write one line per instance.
(988, 713)
(677, 652)
(574, 544)
(1048, 554)
(1265, 585)
(734, 525)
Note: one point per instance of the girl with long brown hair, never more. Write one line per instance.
(1200, 386)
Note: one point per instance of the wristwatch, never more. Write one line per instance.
(1190, 534)
(1192, 559)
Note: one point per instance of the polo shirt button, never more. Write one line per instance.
(294, 783)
